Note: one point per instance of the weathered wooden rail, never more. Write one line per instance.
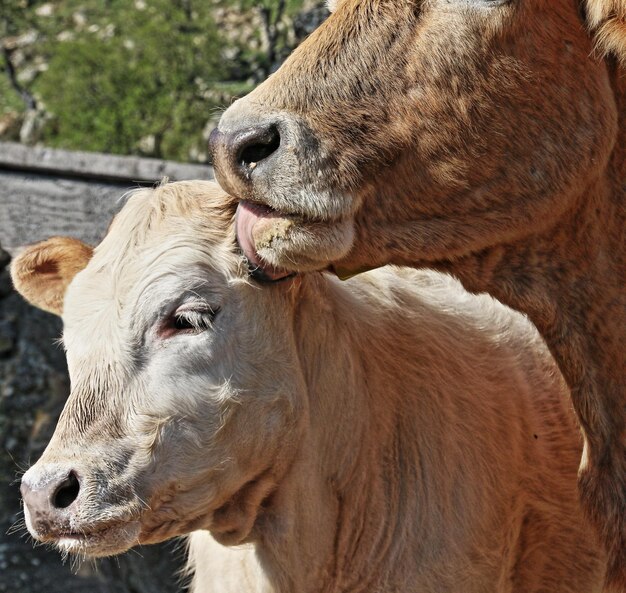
(46, 191)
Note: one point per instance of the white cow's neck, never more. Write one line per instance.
(415, 464)
(347, 496)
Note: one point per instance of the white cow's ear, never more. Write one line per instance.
(42, 272)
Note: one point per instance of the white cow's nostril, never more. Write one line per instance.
(67, 492)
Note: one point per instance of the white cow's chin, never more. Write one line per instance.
(103, 542)
(93, 541)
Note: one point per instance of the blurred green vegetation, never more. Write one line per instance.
(10, 101)
(133, 76)
(142, 76)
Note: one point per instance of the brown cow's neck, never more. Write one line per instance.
(569, 279)
(570, 282)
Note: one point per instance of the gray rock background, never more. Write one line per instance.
(45, 192)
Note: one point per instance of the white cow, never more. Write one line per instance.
(387, 434)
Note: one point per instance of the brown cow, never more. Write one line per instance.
(481, 137)
(388, 434)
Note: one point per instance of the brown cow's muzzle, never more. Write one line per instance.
(271, 158)
(291, 217)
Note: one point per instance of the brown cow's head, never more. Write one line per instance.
(179, 417)
(420, 130)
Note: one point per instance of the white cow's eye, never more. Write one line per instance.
(189, 321)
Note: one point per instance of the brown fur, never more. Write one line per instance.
(486, 139)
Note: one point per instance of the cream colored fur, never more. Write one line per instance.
(607, 21)
(388, 434)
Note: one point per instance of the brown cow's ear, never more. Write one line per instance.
(607, 21)
(42, 272)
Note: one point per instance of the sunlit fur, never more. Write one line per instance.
(486, 138)
(391, 433)
(607, 21)
(43, 272)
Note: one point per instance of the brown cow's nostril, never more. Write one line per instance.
(67, 492)
(236, 154)
(257, 145)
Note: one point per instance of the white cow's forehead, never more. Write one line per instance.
(146, 282)
(104, 332)
(164, 243)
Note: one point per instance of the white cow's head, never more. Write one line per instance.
(187, 395)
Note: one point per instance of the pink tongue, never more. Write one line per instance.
(248, 214)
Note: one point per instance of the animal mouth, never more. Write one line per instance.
(277, 243)
(99, 540)
(257, 225)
